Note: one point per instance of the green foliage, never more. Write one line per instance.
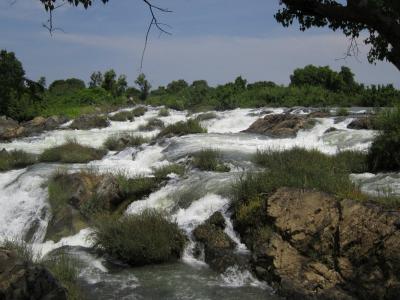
(164, 112)
(15, 159)
(209, 160)
(66, 86)
(137, 188)
(122, 116)
(162, 173)
(182, 128)
(23, 250)
(139, 111)
(343, 112)
(144, 86)
(71, 152)
(121, 141)
(66, 269)
(152, 124)
(384, 154)
(146, 238)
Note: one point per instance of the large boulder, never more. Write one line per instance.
(22, 280)
(86, 122)
(219, 248)
(324, 248)
(281, 125)
(10, 129)
(87, 193)
(362, 123)
(40, 124)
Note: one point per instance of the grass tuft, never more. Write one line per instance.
(139, 111)
(15, 160)
(152, 124)
(122, 116)
(146, 238)
(71, 152)
(182, 128)
(119, 142)
(163, 172)
(164, 112)
(209, 160)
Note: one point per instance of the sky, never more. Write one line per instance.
(216, 40)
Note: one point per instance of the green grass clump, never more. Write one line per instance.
(86, 122)
(146, 238)
(137, 188)
(206, 116)
(164, 112)
(66, 270)
(163, 172)
(152, 124)
(122, 116)
(71, 152)
(209, 160)
(139, 111)
(119, 142)
(384, 154)
(182, 128)
(23, 250)
(15, 160)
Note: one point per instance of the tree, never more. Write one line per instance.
(121, 85)
(96, 79)
(144, 86)
(12, 80)
(66, 86)
(240, 83)
(42, 82)
(109, 81)
(176, 86)
(379, 18)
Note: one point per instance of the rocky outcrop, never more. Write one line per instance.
(10, 129)
(324, 248)
(86, 122)
(362, 123)
(86, 194)
(219, 248)
(281, 126)
(21, 280)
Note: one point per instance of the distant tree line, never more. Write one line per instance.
(23, 99)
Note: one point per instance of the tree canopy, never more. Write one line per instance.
(380, 19)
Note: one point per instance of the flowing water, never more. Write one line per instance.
(190, 200)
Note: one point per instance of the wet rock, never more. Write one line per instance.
(362, 123)
(320, 114)
(90, 121)
(281, 125)
(40, 124)
(330, 129)
(219, 248)
(324, 248)
(10, 129)
(20, 280)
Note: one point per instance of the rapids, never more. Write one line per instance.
(24, 212)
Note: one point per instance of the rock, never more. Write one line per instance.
(362, 123)
(219, 248)
(40, 124)
(330, 129)
(320, 114)
(21, 280)
(87, 192)
(281, 125)
(10, 129)
(90, 121)
(325, 248)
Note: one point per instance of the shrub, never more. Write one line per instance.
(152, 124)
(122, 116)
(139, 111)
(163, 172)
(86, 122)
(71, 152)
(15, 160)
(120, 142)
(164, 112)
(146, 238)
(182, 128)
(384, 154)
(136, 188)
(209, 160)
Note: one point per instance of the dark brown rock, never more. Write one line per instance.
(362, 123)
(22, 280)
(281, 126)
(10, 129)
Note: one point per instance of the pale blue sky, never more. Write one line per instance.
(215, 40)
